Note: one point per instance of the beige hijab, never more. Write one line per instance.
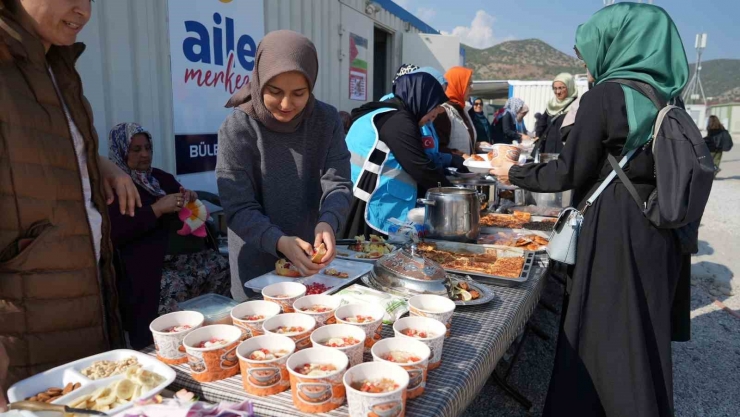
(279, 52)
(556, 107)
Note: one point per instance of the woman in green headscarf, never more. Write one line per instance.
(548, 125)
(614, 349)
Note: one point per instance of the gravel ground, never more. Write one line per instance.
(706, 370)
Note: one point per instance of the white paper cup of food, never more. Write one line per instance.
(321, 392)
(249, 316)
(433, 306)
(411, 355)
(264, 377)
(284, 294)
(169, 330)
(215, 362)
(372, 315)
(302, 325)
(319, 306)
(387, 403)
(433, 330)
(334, 337)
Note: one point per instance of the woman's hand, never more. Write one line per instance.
(502, 172)
(115, 180)
(299, 252)
(188, 195)
(525, 137)
(325, 234)
(171, 203)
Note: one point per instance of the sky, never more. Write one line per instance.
(484, 23)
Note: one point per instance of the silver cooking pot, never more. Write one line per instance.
(452, 214)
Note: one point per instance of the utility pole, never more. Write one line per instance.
(695, 91)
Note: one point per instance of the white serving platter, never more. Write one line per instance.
(72, 372)
(354, 269)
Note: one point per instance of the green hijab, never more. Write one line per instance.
(637, 42)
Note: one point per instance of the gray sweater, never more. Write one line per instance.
(276, 184)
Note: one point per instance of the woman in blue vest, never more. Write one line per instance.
(389, 165)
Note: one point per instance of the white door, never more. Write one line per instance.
(439, 51)
(357, 59)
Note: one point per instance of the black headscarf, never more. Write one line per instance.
(420, 93)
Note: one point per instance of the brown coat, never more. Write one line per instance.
(54, 307)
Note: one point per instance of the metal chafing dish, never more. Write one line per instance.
(406, 273)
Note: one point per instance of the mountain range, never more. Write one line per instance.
(533, 59)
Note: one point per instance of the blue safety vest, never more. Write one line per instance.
(430, 142)
(394, 192)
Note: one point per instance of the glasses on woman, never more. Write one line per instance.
(477, 103)
(556, 89)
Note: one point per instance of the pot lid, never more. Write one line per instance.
(407, 263)
(450, 191)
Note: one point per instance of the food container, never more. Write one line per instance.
(302, 305)
(208, 364)
(452, 214)
(435, 328)
(284, 294)
(318, 394)
(433, 306)
(169, 344)
(251, 328)
(353, 352)
(215, 308)
(372, 328)
(417, 370)
(268, 377)
(384, 404)
(503, 153)
(406, 273)
(301, 339)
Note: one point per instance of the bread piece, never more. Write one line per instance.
(284, 268)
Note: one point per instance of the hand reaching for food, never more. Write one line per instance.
(325, 236)
(299, 253)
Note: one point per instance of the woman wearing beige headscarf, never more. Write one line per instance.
(548, 125)
(283, 166)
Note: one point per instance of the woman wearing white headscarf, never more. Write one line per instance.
(548, 126)
(504, 128)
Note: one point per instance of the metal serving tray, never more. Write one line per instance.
(501, 251)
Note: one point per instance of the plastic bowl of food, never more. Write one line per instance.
(296, 326)
(433, 306)
(284, 294)
(251, 315)
(316, 379)
(344, 337)
(319, 306)
(169, 331)
(411, 355)
(212, 352)
(263, 363)
(368, 317)
(429, 331)
(376, 389)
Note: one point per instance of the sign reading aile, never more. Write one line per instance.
(213, 44)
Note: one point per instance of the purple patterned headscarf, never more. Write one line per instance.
(119, 141)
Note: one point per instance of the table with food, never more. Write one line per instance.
(412, 324)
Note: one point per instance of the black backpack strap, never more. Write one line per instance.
(645, 89)
(627, 183)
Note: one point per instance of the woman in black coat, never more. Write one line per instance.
(718, 140)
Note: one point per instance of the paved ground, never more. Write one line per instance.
(706, 369)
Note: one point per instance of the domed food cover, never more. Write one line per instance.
(406, 273)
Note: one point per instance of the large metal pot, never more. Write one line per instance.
(452, 214)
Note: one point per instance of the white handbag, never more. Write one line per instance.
(564, 237)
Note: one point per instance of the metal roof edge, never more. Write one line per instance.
(406, 16)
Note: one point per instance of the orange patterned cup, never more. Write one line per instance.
(251, 315)
(435, 335)
(167, 341)
(383, 404)
(212, 352)
(301, 324)
(265, 377)
(284, 294)
(326, 303)
(323, 391)
(433, 306)
(350, 313)
(395, 350)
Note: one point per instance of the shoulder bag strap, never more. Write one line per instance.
(643, 88)
(609, 178)
(627, 183)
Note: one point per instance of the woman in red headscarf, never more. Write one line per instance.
(454, 127)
